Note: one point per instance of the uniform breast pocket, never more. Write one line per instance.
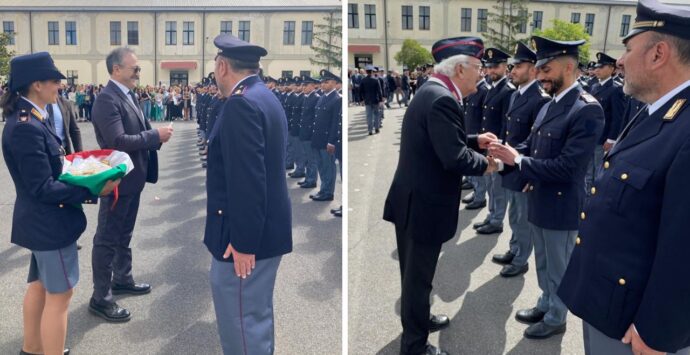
(550, 143)
(56, 154)
(618, 290)
(624, 186)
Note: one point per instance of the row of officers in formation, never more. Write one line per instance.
(314, 121)
(591, 171)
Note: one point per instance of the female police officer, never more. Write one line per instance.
(47, 218)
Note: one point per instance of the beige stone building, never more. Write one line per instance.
(372, 40)
(172, 38)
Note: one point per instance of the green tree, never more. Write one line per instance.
(328, 43)
(5, 53)
(566, 31)
(506, 24)
(412, 54)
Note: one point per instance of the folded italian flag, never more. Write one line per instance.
(93, 168)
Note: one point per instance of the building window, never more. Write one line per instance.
(170, 33)
(625, 25)
(424, 16)
(70, 33)
(307, 32)
(243, 31)
(369, 16)
(537, 18)
(522, 25)
(8, 28)
(286, 74)
(226, 27)
(115, 33)
(188, 33)
(466, 20)
(352, 16)
(72, 77)
(482, 18)
(362, 60)
(289, 32)
(589, 23)
(575, 17)
(303, 73)
(407, 17)
(133, 33)
(53, 33)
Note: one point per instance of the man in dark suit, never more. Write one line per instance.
(120, 125)
(496, 103)
(525, 104)
(63, 120)
(627, 278)
(610, 95)
(473, 107)
(424, 197)
(372, 95)
(248, 223)
(553, 159)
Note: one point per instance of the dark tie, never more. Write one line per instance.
(134, 97)
(51, 117)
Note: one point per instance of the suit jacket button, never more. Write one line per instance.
(578, 241)
(220, 212)
(621, 281)
(535, 151)
(531, 187)
(61, 205)
(508, 118)
(593, 190)
(582, 215)
(624, 176)
(507, 133)
(560, 193)
(606, 165)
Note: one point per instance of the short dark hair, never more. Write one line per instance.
(241, 65)
(115, 57)
(681, 45)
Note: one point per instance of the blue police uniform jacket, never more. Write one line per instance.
(632, 107)
(296, 114)
(371, 91)
(555, 159)
(519, 120)
(324, 120)
(335, 135)
(47, 214)
(473, 108)
(213, 112)
(495, 107)
(288, 106)
(306, 124)
(611, 97)
(247, 199)
(629, 265)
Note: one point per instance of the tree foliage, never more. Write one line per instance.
(412, 54)
(328, 43)
(566, 31)
(5, 53)
(507, 24)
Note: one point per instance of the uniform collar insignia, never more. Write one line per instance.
(37, 114)
(673, 111)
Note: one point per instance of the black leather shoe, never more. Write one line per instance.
(111, 312)
(370, 132)
(504, 259)
(22, 352)
(204, 158)
(511, 270)
(432, 350)
(204, 165)
(289, 166)
(78, 246)
(308, 186)
(542, 330)
(438, 322)
(475, 205)
(482, 223)
(338, 213)
(322, 197)
(489, 229)
(530, 315)
(296, 175)
(377, 131)
(469, 198)
(300, 183)
(133, 289)
(466, 186)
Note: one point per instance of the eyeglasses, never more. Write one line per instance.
(477, 66)
(136, 69)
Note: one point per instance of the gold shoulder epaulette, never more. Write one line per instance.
(673, 111)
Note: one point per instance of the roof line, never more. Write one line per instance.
(170, 9)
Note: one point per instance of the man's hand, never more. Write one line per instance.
(505, 153)
(638, 346)
(244, 263)
(485, 139)
(165, 133)
(330, 148)
(109, 186)
(607, 146)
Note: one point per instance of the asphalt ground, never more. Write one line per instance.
(177, 317)
(467, 287)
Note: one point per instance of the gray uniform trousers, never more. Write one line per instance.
(244, 307)
(598, 343)
(497, 200)
(298, 154)
(521, 239)
(552, 250)
(111, 257)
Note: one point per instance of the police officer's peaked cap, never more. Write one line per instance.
(449, 47)
(370, 68)
(306, 79)
(297, 80)
(654, 16)
(326, 75)
(494, 56)
(235, 48)
(604, 59)
(26, 69)
(549, 49)
(523, 54)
